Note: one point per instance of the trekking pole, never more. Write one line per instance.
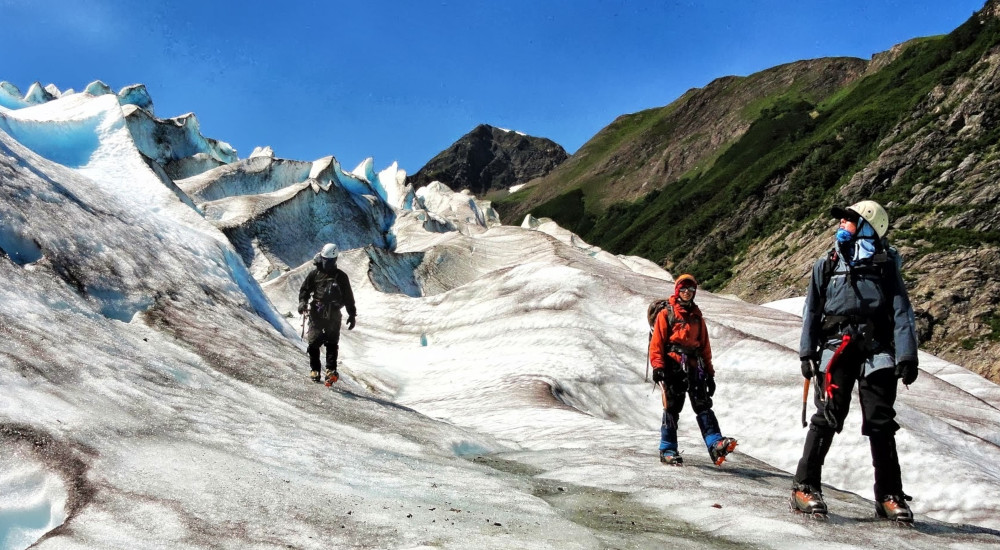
(646, 379)
(805, 400)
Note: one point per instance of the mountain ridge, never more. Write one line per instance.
(645, 151)
(746, 207)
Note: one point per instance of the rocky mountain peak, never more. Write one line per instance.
(489, 158)
(990, 9)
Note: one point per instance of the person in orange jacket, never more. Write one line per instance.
(681, 356)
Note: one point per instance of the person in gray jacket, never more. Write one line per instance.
(330, 290)
(857, 326)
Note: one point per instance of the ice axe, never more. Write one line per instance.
(668, 420)
(828, 386)
(805, 400)
(303, 335)
(646, 379)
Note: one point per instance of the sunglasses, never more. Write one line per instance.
(686, 289)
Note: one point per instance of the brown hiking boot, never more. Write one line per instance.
(721, 449)
(894, 508)
(672, 458)
(805, 501)
(331, 377)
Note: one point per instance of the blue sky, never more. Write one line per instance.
(402, 80)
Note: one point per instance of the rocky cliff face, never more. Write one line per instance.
(489, 158)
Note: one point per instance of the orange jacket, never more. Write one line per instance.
(689, 332)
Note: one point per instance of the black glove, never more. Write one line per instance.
(659, 375)
(809, 367)
(710, 384)
(907, 371)
(350, 322)
(670, 366)
(303, 308)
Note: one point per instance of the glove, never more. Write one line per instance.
(659, 375)
(907, 371)
(350, 322)
(809, 368)
(710, 384)
(303, 308)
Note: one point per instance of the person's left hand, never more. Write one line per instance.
(350, 322)
(710, 383)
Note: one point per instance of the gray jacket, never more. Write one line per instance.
(869, 294)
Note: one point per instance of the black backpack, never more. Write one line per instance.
(328, 292)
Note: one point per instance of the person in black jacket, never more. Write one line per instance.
(330, 290)
(857, 327)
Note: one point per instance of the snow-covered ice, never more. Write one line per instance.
(153, 388)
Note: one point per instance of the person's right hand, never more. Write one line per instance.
(808, 367)
(659, 375)
(303, 308)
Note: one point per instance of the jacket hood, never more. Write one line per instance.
(684, 280)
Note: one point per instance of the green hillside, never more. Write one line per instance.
(811, 148)
(641, 152)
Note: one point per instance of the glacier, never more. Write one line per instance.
(153, 388)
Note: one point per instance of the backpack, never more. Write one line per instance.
(886, 259)
(654, 310)
(328, 292)
(884, 253)
(651, 313)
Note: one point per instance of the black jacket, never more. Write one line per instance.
(329, 293)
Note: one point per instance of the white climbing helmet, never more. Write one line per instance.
(871, 211)
(330, 251)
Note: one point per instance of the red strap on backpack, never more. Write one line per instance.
(830, 386)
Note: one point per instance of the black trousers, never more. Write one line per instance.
(679, 385)
(877, 393)
(321, 332)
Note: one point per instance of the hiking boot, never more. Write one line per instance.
(721, 448)
(314, 376)
(805, 501)
(672, 458)
(894, 508)
(331, 376)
